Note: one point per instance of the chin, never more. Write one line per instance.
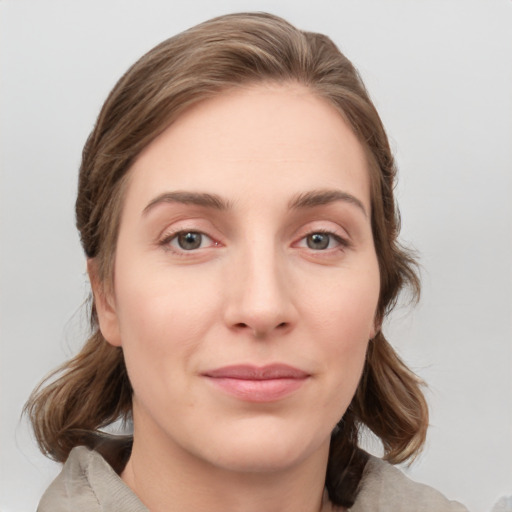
(259, 450)
(258, 460)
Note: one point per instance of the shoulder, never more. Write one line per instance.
(385, 488)
(87, 483)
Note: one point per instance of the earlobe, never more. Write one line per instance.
(104, 305)
(376, 327)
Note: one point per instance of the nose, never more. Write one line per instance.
(260, 300)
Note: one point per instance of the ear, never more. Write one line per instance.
(376, 327)
(104, 304)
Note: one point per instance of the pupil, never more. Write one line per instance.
(189, 240)
(318, 241)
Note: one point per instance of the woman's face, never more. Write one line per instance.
(246, 280)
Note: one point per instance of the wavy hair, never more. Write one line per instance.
(92, 390)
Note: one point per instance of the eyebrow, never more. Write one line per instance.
(196, 198)
(323, 197)
(309, 199)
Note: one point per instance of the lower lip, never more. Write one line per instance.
(266, 390)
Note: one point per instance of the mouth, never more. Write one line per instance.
(257, 383)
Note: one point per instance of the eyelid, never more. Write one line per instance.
(324, 226)
(342, 242)
(203, 237)
(170, 234)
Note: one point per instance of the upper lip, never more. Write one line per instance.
(251, 372)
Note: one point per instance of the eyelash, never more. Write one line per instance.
(166, 241)
(170, 237)
(343, 242)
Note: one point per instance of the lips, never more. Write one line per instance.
(248, 372)
(257, 384)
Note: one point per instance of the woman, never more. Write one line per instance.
(236, 208)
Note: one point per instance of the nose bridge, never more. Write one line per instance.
(260, 300)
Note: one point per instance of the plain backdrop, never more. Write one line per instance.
(440, 73)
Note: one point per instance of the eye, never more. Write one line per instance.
(189, 241)
(320, 241)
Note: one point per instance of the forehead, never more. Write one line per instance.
(256, 141)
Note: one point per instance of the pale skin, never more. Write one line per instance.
(245, 239)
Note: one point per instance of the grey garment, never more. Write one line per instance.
(385, 488)
(88, 483)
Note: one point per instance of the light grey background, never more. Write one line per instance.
(440, 73)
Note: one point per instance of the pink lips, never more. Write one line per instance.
(257, 384)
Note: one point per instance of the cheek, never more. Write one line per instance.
(346, 305)
(161, 334)
(163, 316)
(342, 315)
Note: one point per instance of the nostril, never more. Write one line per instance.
(261, 331)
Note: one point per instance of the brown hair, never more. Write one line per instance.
(92, 390)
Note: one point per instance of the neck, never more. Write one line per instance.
(168, 478)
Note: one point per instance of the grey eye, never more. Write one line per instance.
(189, 240)
(318, 241)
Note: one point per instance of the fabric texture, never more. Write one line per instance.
(88, 483)
(384, 488)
